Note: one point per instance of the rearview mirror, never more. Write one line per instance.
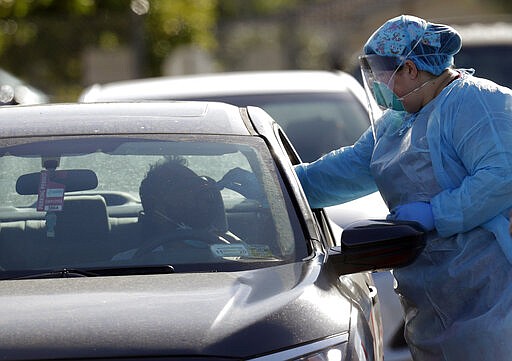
(72, 179)
(376, 245)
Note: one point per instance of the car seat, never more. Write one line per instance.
(82, 230)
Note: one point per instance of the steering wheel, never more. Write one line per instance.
(178, 236)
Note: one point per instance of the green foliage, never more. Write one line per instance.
(173, 23)
(42, 41)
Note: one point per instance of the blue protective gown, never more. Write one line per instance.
(457, 155)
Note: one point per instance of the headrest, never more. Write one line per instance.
(83, 217)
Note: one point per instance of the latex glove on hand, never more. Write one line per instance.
(241, 181)
(420, 212)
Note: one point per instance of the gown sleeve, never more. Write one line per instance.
(339, 176)
(479, 133)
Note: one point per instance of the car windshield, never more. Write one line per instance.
(85, 203)
(316, 123)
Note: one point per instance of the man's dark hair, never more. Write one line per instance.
(172, 194)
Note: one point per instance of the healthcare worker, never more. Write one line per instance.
(440, 155)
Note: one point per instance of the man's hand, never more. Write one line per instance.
(241, 181)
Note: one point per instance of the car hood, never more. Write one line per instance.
(234, 314)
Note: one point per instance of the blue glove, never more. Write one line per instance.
(420, 212)
(241, 181)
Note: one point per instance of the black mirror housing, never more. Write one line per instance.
(72, 179)
(376, 245)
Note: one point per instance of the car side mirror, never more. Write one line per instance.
(376, 245)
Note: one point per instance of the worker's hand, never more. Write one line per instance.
(241, 181)
(420, 212)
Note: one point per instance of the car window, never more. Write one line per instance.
(316, 123)
(196, 203)
(490, 61)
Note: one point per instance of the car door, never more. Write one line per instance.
(362, 286)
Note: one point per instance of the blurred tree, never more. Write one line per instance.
(235, 9)
(42, 41)
(177, 22)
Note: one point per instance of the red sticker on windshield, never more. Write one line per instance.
(50, 196)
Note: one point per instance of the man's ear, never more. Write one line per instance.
(411, 69)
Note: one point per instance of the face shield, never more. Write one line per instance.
(378, 74)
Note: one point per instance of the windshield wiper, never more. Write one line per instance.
(87, 272)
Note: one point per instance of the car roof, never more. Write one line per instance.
(23, 93)
(122, 118)
(474, 34)
(230, 83)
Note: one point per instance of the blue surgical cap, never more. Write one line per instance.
(430, 46)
